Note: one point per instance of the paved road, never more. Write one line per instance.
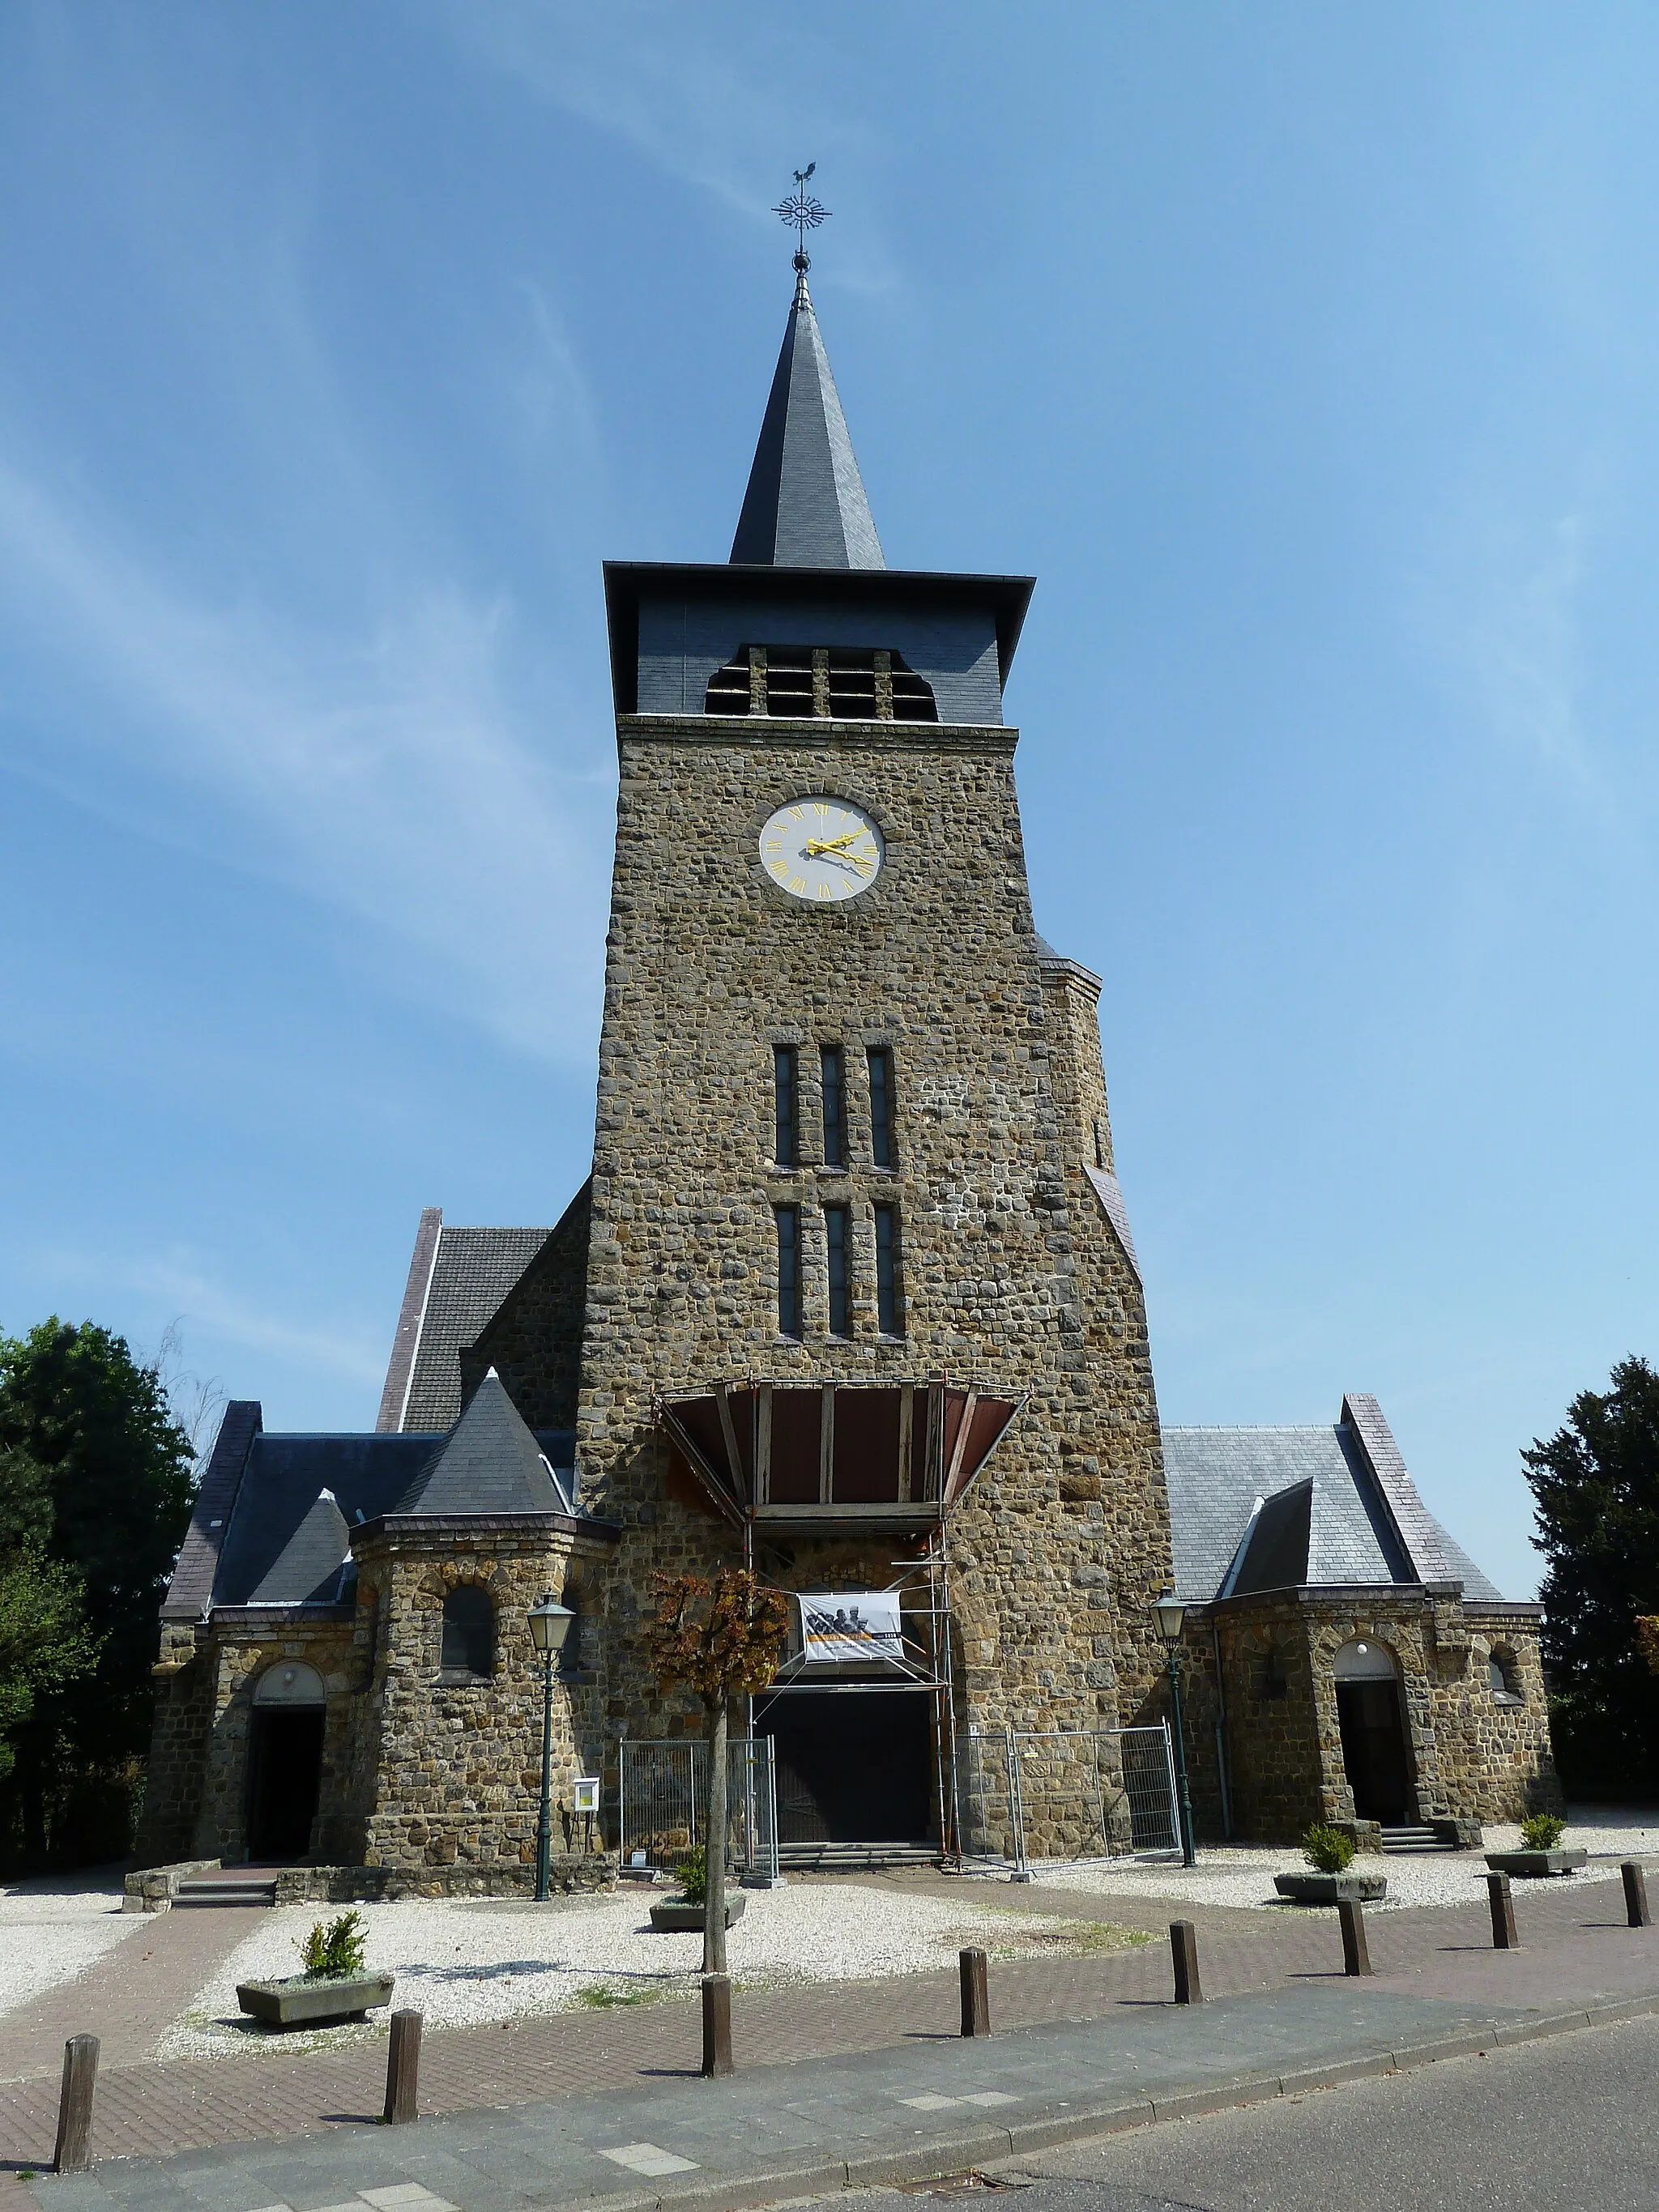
(1570, 2124)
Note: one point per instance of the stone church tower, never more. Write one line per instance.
(851, 1297)
(852, 1287)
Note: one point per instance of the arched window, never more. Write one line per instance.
(288, 1683)
(468, 1653)
(1364, 1661)
(1504, 1675)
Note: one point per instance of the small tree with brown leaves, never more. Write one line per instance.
(721, 1642)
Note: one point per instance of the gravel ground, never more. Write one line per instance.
(1243, 1874)
(52, 1929)
(462, 1962)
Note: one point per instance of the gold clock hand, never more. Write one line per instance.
(830, 844)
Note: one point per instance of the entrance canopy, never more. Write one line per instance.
(823, 1455)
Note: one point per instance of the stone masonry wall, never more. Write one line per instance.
(1472, 1757)
(183, 1677)
(1009, 1278)
(1498, 1747)
(449, 1773)
(236, 1654)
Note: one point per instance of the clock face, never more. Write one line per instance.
(822, 850)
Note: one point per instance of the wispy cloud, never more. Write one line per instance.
(204, 1305)
(387, 772)
(725, 99)
(196, 1305)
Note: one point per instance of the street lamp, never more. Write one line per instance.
(1170, 1614)
(549, 1624)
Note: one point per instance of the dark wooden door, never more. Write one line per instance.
(285, 1777)
(852, 1768)
(1374, 1750)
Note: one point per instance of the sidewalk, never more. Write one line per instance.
(935, 2106)
(620, 2116)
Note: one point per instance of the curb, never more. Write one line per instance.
(943, 2156)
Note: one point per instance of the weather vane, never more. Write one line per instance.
(801, 209)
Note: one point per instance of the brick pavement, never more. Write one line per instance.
(1573, 1934)
(127, 1997)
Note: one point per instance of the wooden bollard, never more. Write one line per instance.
(1503, 1937)
(1635, 1895)
(1183, 1947)
(716, 2026)
(75, 2104)
(1356, 1956)
(975, 1994)
(402, 2068)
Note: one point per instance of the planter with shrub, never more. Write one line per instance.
(1330, 1854)
(334, 1986)
(1540, 1854)
(684, 1915)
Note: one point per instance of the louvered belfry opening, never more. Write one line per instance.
(799, 683)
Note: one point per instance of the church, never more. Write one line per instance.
(850, 1297)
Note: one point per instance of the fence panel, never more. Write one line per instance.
(1071, 1793)
(663, 1797)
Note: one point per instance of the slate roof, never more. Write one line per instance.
(312, 1567)
(1326, 1521)
(286, 1504)
(805, 506)
(471, 1271)
(490, 1462)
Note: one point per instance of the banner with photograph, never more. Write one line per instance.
(851, 1628)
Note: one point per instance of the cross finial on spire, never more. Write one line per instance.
(804, 213)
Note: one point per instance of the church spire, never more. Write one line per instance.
(805, 506)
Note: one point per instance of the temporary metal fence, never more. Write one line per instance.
(662, 1802)
(1069, 1794)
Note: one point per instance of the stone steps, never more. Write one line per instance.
(1413, 1838)
(252, 1892)
(853, 1858)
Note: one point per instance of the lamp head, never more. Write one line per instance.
(1169, 1612)
(549, 1624)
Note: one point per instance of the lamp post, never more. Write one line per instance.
(549, 1624)
(1170, 1614)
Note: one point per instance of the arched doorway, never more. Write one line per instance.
(285, 1761)
(1373, 1725)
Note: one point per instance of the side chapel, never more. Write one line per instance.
(850, 1295)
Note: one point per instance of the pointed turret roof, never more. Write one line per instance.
(490, 1462)
(307, 1571)
(805, 506)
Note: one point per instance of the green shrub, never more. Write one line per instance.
(333, 1952)
(1328, 1848)
(694, 1876)
(1542, 1833)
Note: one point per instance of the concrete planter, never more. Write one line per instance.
(306, 2000)
(1533, 1866)
(674, 1917)
(1331, 1889)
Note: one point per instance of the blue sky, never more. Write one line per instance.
(1309, 359)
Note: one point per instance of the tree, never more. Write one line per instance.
(1595, 1484)
(721, 1641)
(106, 1518)
(43, 1641)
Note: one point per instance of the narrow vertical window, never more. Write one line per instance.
(881, 1106)
(787, 1136)
(837, 1232)
(788, 1270)
(834, 1106)
(889, 1319)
